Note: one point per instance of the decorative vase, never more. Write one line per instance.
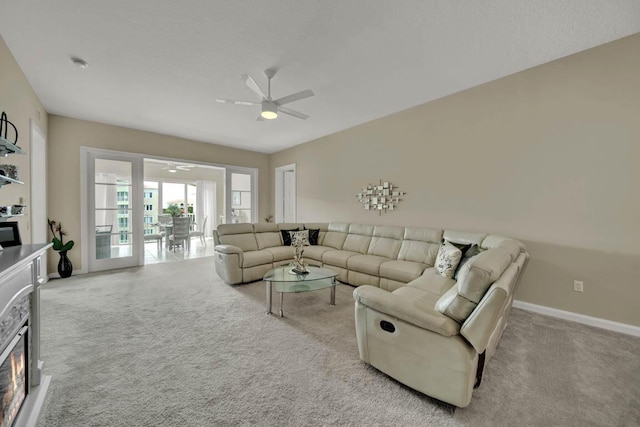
(65, 268)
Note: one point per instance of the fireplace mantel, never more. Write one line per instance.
(20, 277)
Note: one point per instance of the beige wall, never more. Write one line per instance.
(67, 135)
(21, 104)
(550, 155)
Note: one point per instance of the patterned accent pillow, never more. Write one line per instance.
(448, 259)
(300, 238)
(286, 236)
(314, 233)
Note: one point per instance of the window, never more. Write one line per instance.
(123, 222)
(124, 237)
(148, 195)
(148, 219)
(123, 209)
(148, 207)
(123, 196)
(148, 231)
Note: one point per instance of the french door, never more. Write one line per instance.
(114, 206)
(241, 195)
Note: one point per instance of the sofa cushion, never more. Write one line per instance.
(369, 264)
(402, 271)
(268, 240)
(337, 258)
(454, 305)
(265, 227)
(281, 253)
(336, 235)
(315, 252)
(432, 281)
(253, 258)
(448, 259)
(475, 278)
(478, 274)
(247, 242)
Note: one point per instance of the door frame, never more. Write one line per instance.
(38, 178)
(279, 192)
(137, 218)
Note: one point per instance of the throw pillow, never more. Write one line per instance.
(464, 247)
(286, 236)
(300, 237)
(314, 233)
(466, 257)
(448, 259)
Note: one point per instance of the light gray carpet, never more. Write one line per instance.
(172, 345)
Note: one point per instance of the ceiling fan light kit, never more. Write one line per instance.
(269, 107)
(269, 110)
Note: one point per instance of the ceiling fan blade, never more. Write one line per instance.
(252, 85)
(233, 101)
(293, 113)
(294, 97)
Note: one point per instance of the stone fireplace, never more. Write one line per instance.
(22, 383)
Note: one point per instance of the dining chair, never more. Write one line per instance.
(200, 232)
(180, 235)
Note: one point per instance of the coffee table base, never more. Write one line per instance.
(332, 300)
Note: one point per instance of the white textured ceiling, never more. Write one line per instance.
(159, 65)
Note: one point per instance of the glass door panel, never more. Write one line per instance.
(240, 196)
(113, 242)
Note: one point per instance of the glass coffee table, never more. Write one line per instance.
(285, 281)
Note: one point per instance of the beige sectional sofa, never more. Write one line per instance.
(428, 331)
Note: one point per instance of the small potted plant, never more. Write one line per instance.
(65, 268)
(173, 209)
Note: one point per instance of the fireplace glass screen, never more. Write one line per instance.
(13, 379)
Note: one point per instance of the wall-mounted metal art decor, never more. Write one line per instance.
(381, 198)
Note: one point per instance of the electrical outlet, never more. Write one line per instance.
(578, 286)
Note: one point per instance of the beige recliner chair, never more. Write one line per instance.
(436, 334)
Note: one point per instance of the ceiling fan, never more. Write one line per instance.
(270, 107)
(173, 167)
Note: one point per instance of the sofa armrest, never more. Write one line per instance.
(481, 323)
(230, 249)
(401, 308)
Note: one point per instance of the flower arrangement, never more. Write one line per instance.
(58, 237)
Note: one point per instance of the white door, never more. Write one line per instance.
(285, 193)
(114, 206)
(241, 195)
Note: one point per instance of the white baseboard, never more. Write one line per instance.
(580, 318)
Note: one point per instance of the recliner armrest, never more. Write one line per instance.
(482, 321)
(230, 250)
(398, 307)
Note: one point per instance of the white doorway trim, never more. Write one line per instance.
(286, 201)
(38, 203)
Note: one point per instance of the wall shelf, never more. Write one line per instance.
(6, 180)
(7, 148)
